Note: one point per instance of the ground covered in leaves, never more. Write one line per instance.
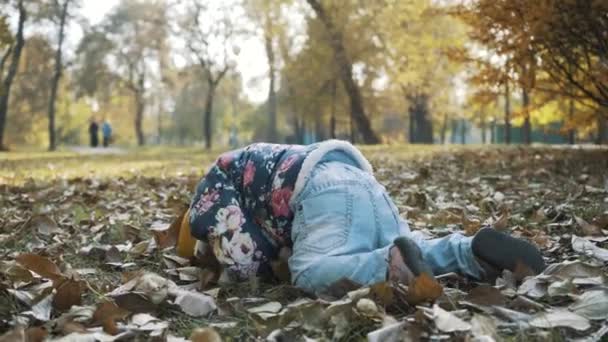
(86, 252)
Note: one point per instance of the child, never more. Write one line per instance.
(323, 202)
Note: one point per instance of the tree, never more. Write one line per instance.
(209, 31)
(15, 52)
(345, 66)
(122, 52)
(59, 15)
(267, 15)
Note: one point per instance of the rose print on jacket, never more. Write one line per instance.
(280, 202)
(229, 219)
(206, 202)
(248, 174)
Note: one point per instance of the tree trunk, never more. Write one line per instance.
(483, 128)
(159, 122)
(444, 128)
(493, 131)
(601, 128)
(423, 130)
(526, 104)
(208, 112)
(412, 126)
(139, 110)
(12, 71)
(463, 131)
(272, 96)
(139, 117)
(571, 131)
(345, 68)
(507, 113)
(57, 75)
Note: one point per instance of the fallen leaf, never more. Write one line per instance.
(422, 289)
(483, 328)
(36, 334)
(15, 335)
(573, 269)
(383, 292)
(42, 310)
(40, 265)
(167, 236)
(106, 314)
(447, 321)
(367, 307)
(486, 295)
(588, 248)
(271, 307)
(44, 225)
(560, 318)
(560, 288)
(205, 335)
(69, 292)
(588, 228)
(389, 333)
(136, 302)
(592, 304)
(195, 304)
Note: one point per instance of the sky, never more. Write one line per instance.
(251, 62)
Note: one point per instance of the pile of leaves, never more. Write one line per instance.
(93, 258)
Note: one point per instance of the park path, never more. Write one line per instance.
(99, 150)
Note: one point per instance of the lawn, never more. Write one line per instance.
(84, 250)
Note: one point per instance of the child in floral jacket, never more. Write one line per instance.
(323, 202)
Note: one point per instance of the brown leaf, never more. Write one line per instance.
(69, 292)
(502, 222)
(36, 334)
(168, 237)
(384, 293)
(40, 265)
(16, 335)
(522, 270)
(588, 228)
(471, 225)
(43, 224)
(106, 314)
(134, 302)
(486, 295)
(205, 335)
(422, 289)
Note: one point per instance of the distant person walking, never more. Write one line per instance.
(93, 132)
(106, 131)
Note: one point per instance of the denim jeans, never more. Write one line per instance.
(344, 225)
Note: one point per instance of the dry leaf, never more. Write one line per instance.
(560, 318)
(422, 289)
(195, 304)
(44, 225)
(205, 335)
(40, 265)
(69, 292)
(502, 223)
(36, 334)
(383, 292)
(168, 236)
(592, 304)
(588, 248)
(447, 321)
(486, 295)
(588, 228)
(106, 314)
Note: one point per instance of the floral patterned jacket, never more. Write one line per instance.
(242, 208)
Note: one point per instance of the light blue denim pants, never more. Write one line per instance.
(345, 223)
